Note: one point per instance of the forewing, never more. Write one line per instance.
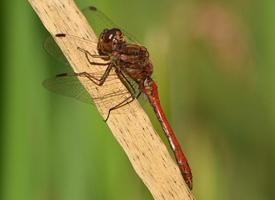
(53, 49)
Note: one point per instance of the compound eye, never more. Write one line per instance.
(101, 36)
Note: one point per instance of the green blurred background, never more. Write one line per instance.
(214, 64)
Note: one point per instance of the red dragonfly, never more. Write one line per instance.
(133, 67)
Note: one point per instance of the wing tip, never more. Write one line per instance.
(61, 75)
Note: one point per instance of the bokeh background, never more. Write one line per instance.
(214, 64)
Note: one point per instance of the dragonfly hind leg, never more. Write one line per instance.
(121, 104)
(129, 99)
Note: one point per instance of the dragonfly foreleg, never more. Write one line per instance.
(87, 54)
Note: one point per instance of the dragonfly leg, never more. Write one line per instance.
(121, 104)
(126, 82)
(87, 54)
(129, 99)
(100, 81)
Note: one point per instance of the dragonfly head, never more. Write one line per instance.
(109, 40)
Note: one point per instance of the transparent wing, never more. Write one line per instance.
(99, 21)
(68, 84)
(53, 50)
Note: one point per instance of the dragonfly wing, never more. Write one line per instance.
(68, 84)
(53, 49)
(99, 21)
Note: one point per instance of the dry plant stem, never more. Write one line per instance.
(133, 129)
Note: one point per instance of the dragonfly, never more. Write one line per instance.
(133, 67)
